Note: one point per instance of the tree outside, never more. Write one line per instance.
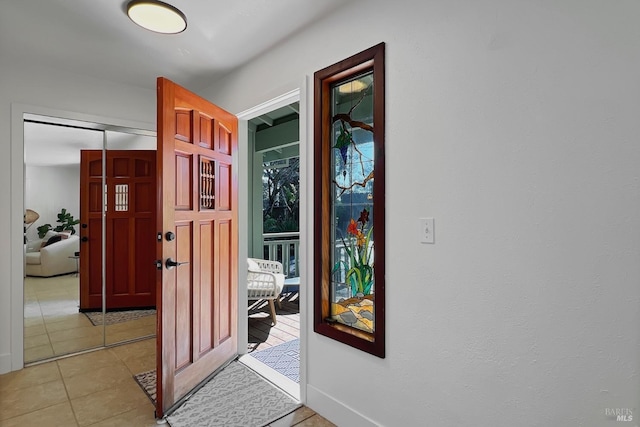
(281, 195)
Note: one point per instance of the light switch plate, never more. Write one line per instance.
(426, 231)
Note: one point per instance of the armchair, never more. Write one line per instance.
(265, 280)
(51, 260)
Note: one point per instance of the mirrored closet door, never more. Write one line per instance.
(89, 236)
(54, 325)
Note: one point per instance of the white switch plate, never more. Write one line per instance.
(426, 230)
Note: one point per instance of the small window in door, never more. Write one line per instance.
(207, 183)
(122, 198)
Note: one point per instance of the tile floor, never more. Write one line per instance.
(53, 326)
(92, 389)
(95, 389)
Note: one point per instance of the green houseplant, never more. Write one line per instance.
(66, 223)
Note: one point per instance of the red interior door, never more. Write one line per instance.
(130, 229)
(197, 299)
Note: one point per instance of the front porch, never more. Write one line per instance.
(273, 175)
(263, 334)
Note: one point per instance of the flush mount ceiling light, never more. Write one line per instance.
(157, 16)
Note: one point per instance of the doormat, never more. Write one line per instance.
(236, 397)
(113, 317)
(147, 381)
(284, 358)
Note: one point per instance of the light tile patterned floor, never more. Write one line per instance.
(54, 327)
(95, 389)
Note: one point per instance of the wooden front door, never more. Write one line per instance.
(130, 208)
(197, 208)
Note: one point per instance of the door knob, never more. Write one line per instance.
(170, 263)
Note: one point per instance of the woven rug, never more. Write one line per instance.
(113, 317)
(147, 381)
(284, 358)
(236, 397)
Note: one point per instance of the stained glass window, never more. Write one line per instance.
(352, 236)
(349, 199)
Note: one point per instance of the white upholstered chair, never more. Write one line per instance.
(265, 280)
(54, 259)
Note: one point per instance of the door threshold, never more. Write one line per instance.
(290, 387)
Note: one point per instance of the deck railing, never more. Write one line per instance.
(285, 248)
(277, 245)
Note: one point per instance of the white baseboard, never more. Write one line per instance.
(335, 411)
(5, 363)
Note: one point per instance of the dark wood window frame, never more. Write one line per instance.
(371, 59)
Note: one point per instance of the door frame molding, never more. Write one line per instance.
(300, 95)
(16, 262)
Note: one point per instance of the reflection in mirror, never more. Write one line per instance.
(130, 238)
(53, 324)
(64, 276)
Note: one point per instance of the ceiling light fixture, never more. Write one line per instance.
(157, 16)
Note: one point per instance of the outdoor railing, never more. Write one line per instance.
(285, 248)
(278, 245)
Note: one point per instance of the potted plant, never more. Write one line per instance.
(66, 223)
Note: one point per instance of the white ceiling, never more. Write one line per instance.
(54, 145)
(96, 38)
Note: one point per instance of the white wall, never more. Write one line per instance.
(514, 124)
(38, 89)
(48, 189)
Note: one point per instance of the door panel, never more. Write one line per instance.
(205, 319)
(131, 226)
(225, 296)
(224, 180)
(184, 291)
(206, 131)
(183, 181)
(197, 142)
(118, 254)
